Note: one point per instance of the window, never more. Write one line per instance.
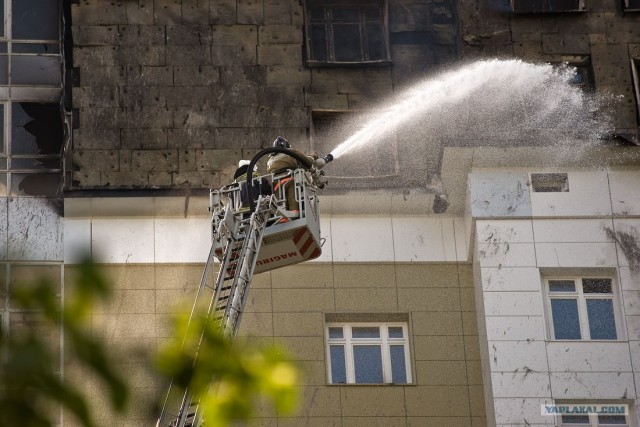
(533, 6)
(549, 182)
(347, 31)
(368, 353)
(632, 4)
(30, 50)
(594, 420)
(32, 137)
(582, 308)
(330, 128)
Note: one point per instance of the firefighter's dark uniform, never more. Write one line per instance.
(280, 163)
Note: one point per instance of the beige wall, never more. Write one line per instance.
(288, 306)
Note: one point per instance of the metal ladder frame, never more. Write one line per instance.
(243, 239)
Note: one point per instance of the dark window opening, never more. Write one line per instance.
(330, 128)
(37, 128)
(583, 77)
(549, 182)
(632, 5)
(537, 6)
(347, 32)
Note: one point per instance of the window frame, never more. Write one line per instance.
(579, 296)
(546, 7)
(331, 61)
(385, 343)
(628, 8)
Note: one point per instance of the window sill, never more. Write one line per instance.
(370, 385)
(588, 341)
(360, 64)
(538, 12)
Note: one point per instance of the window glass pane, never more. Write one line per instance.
(395, 332)
(575, 419)
(37, 164)
(35, 70)
(2, 34)
(398, 366)
(346, 41)
(336, 332)
(367, 360)
(596, 286)
(44, 48)
(4, 48)
(365, 332)
(35, 19)
(3, 164)
(317, 13)
(566, 323)
(612, 420)
(37, 128)
(375, 42)
(3, 184)
(562, 286)
(319, 42)
(338, 369)
(4, 70)
(602, 324)
(345, 14)
(35, 184)
(371, 13)
(3, 147)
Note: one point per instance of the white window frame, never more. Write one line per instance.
(384, 342)
(581, 298)
(593, 418)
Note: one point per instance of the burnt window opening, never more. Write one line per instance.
(546, 6)
(35, 135)
(330, 128)
(632, 5)
(583, 77)
(344, 32)
(549, 182)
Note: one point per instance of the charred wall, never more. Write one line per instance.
(171, 93)
(603, 36)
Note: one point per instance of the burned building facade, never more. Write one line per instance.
(113, 153)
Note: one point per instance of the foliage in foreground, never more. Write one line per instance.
(241, 373)
(30, 385)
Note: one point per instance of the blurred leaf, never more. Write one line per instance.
(28, 378)
(225, 378)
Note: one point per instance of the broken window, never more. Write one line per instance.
(347, 32)
(368, 353)
(35, 144)
(330, 128)
(582, 308)
(549, 182)
(534, 6)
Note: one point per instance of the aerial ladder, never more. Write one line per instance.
(252, 231)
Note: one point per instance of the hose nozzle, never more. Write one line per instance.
(322, 162)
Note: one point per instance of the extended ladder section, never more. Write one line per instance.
(289, 236)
